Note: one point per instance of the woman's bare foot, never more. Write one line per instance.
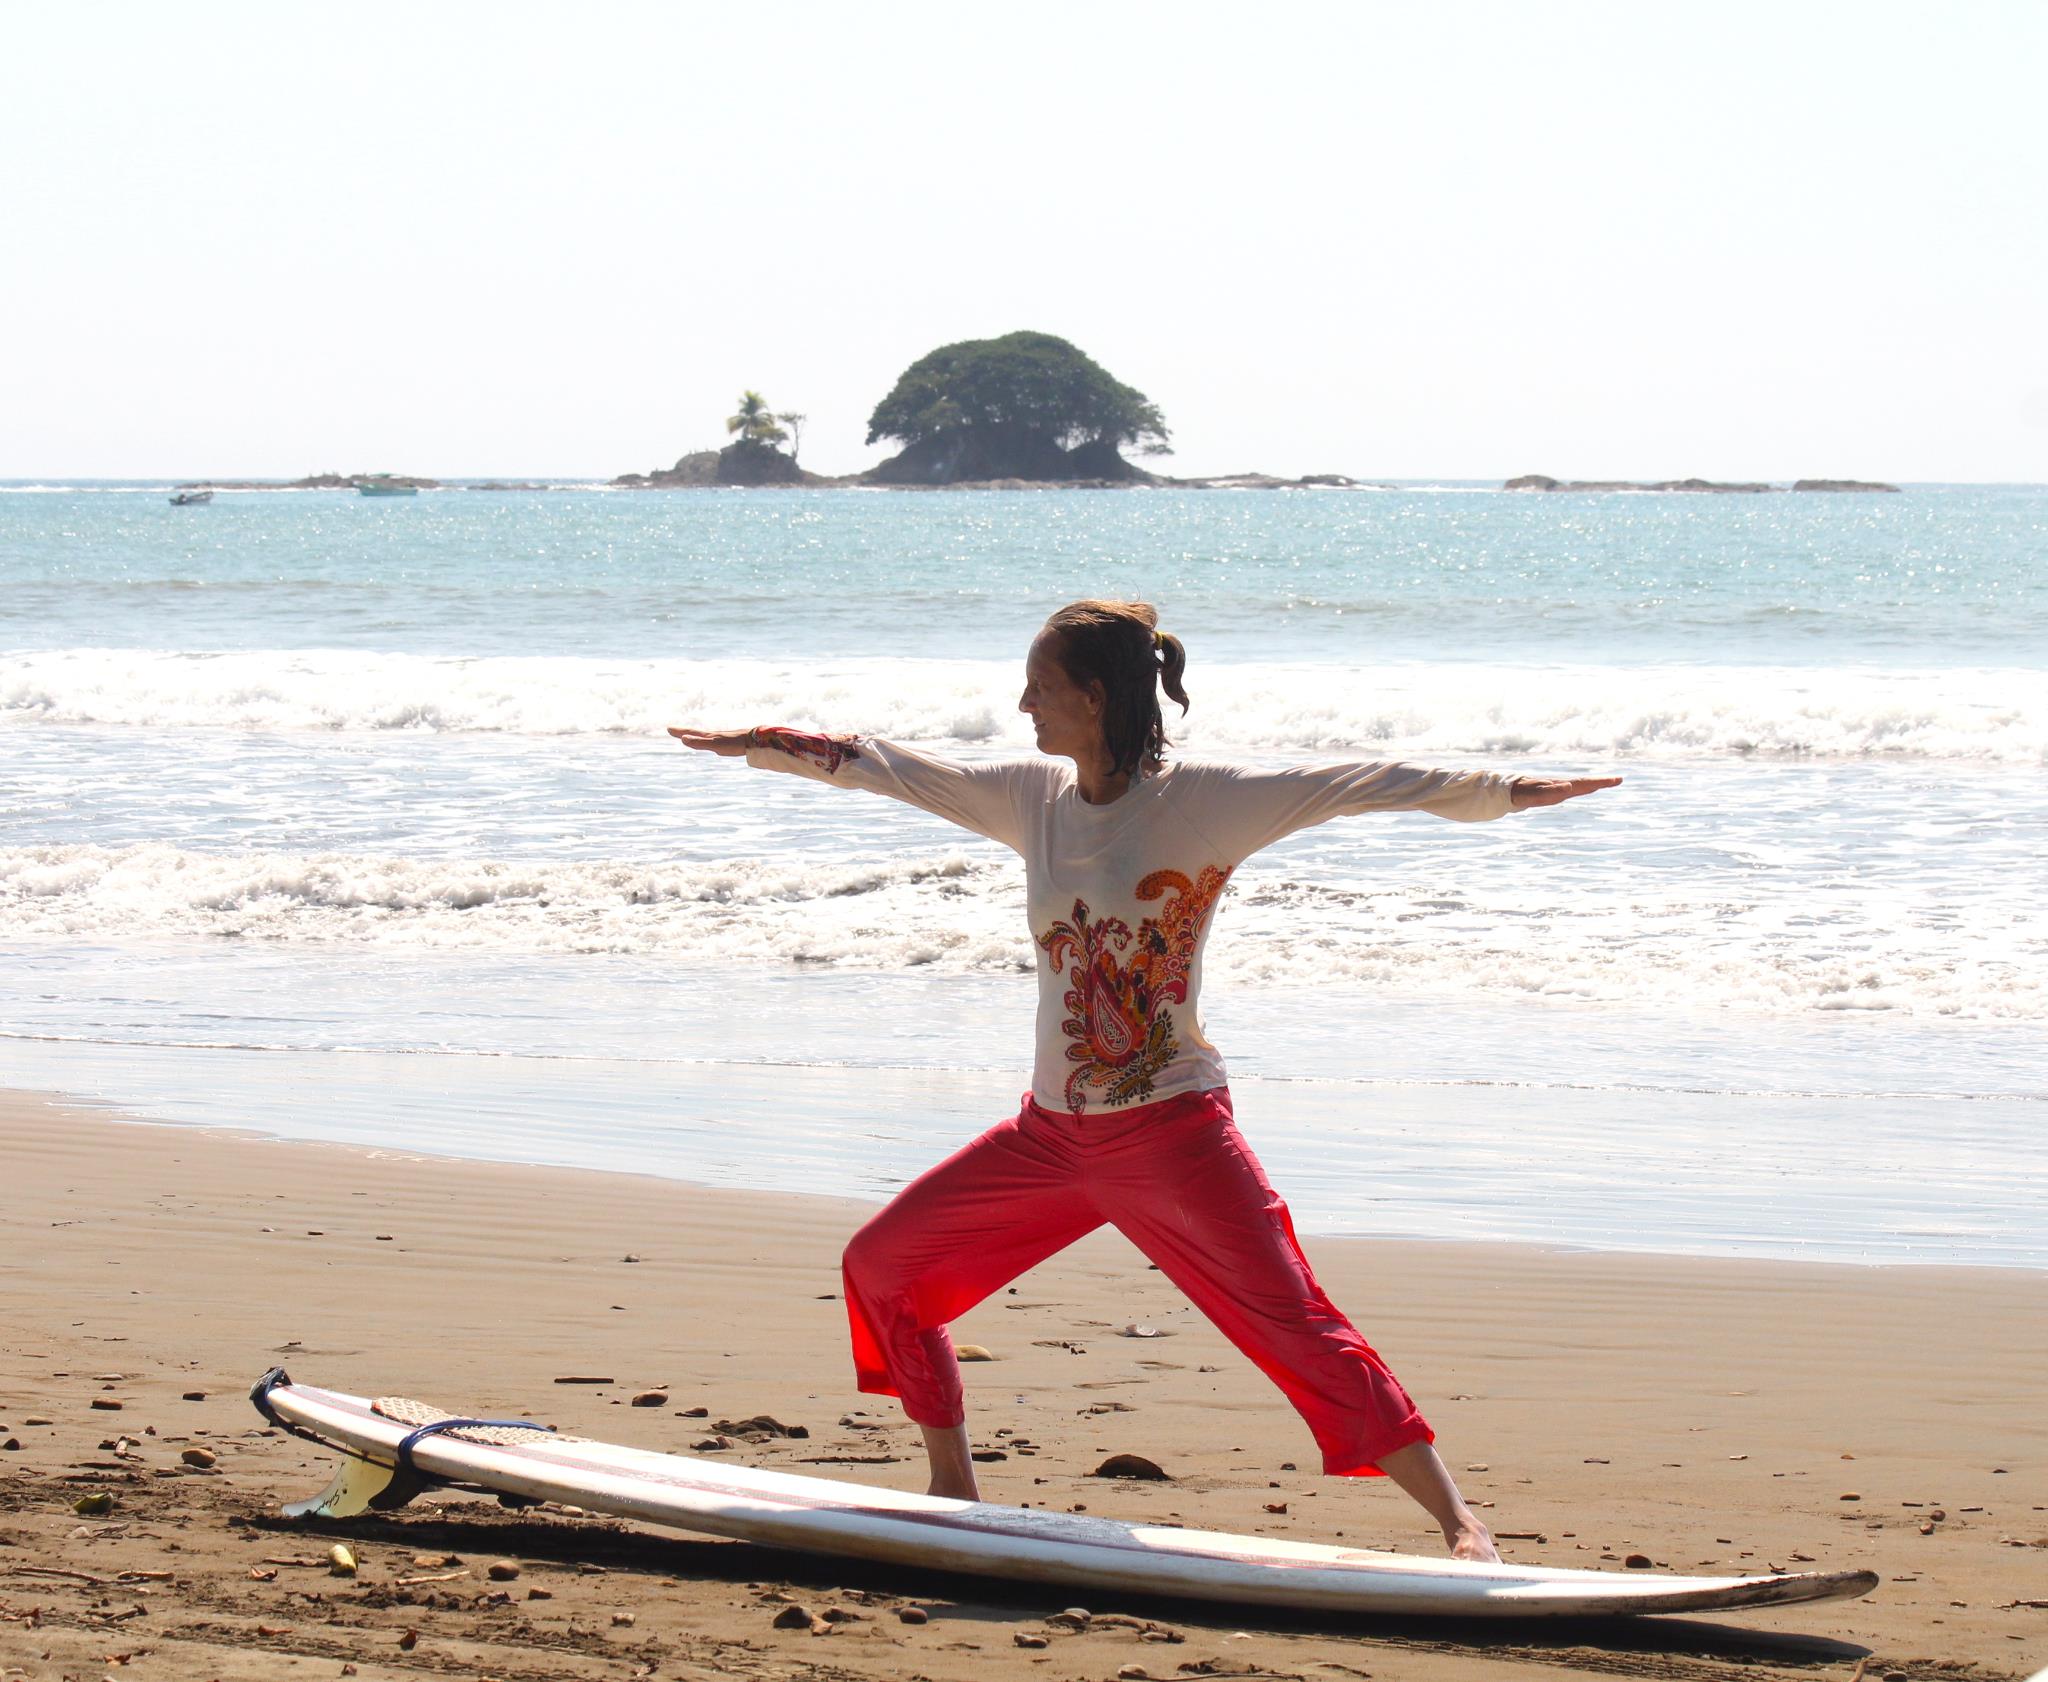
(952, 1462)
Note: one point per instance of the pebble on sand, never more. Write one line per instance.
(793, 1617)
(92, 1506)
(340, 1561)
(971, 1352)
(200, 1457)
(1024, 1638)
(912, 1615)
(651, 1399)
(501, 1570)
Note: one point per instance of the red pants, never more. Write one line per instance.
(1178, 1180)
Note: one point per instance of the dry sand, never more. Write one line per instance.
(1714, 1415)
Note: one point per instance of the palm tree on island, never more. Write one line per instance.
(755, 422)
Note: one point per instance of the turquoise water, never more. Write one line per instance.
(373, 795)
(1949, 576)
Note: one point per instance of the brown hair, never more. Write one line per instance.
(1119, 645)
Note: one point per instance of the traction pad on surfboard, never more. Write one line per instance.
(409, 1412)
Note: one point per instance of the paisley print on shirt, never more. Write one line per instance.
(828, 753)
(1123, 1033)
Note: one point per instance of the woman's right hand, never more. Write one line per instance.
(730, 743)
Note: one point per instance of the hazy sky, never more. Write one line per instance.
(1447, 239)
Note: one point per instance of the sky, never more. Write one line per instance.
(1455, 240)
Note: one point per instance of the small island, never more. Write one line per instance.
(1024, 411)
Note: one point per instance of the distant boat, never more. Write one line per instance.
(186, 499)
(382, 484)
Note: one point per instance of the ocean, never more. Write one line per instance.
(352, 818)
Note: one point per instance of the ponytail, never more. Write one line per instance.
(1173, 660)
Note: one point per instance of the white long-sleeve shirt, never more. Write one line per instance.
(1121, 895)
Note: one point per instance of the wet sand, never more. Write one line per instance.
(1712, 1415)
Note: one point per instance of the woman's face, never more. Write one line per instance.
(1066, 717)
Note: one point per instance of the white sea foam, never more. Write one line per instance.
(1986, 715)
(1434, 936)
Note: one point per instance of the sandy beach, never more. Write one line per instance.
(1712, 1415)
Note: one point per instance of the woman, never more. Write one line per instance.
(1128, 1120)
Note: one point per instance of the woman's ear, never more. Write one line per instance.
(1098, 696)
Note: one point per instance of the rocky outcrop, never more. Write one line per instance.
(1272, 482)
(986, 454)
(746, 463)
(317, 482)
(1544, 482)
(697, 469)
(737, 464)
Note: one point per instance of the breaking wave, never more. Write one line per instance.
(964, 912)
(1986, 715)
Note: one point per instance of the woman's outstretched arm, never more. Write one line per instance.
(1242, 809)
(982, 797)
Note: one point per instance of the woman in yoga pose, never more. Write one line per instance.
(1128, 1120)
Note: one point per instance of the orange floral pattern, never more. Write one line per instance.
(826, 752)
(1123, 1033)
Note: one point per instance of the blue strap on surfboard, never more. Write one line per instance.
(406, 1442)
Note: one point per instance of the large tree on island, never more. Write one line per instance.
(1024, 406)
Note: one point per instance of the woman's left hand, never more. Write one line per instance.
(1555, 791)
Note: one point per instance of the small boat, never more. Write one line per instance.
(382, 484)
(188, 499)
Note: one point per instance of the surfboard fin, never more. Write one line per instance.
(360, 1486)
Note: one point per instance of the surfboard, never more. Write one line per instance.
(394, 1449)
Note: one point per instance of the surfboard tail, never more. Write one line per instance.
(361, 1484)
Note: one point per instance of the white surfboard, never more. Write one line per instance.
(1076, 1550)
